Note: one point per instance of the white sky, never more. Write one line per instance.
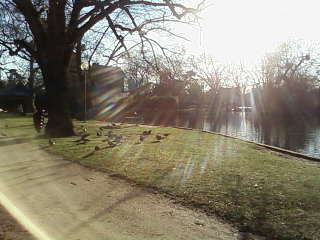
(244, 30)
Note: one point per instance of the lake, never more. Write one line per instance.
(301, 135)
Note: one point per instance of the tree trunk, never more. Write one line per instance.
(31, 86)
(59, 117)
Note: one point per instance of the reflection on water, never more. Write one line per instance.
(298, 135)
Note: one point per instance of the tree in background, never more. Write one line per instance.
(288, 81)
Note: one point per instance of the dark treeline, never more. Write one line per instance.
(285, 84)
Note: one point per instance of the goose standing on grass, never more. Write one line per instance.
(159, 137)
(109, 134)
(111, 144)
(118, 138)
(84, 136)
(145, 133)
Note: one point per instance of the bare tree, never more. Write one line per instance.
(209, 72)
(288, 79)
(49, 31)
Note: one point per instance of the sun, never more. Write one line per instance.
(244, 31)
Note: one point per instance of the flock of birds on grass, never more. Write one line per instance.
(112, 138)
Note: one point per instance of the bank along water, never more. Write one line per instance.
(300, 135)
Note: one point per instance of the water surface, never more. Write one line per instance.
(301, 135)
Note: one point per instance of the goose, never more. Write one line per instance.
(159, 137)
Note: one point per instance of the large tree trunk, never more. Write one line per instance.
(59, 118)
(55, 77)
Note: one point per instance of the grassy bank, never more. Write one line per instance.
(258, 190)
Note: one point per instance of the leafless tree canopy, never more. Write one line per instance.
(27, 25)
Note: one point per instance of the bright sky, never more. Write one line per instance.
(244, 30)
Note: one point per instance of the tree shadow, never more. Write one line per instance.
(42, 136)
(44, 147)
(81, 143)
(34, 181)
(14, 141)
(19, 126)
(14, 136)
(27, 176)
(128, 196)
(89, 154)
(92, 152)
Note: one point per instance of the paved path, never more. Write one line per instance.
(61, 200)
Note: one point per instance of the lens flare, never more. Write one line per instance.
(23, 219)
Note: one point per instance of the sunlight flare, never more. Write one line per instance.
(23, 219)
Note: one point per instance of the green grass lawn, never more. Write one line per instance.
(256, 189)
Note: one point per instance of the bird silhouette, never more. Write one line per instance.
(51, 142)
(145, 133)
(111, 144)
(84, 136)
(109, 134)
(159, 137)
(118, 138)
(96, 148)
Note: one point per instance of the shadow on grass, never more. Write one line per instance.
(89, 154)
(44, 147)
(14, 141)
(92, 152)
(42, 136)
(18, 126)
(80, 142)
(14, 136)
